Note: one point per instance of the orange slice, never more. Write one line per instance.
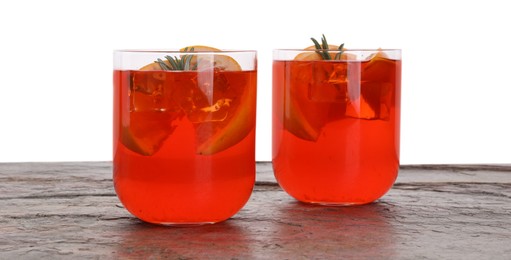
(147, 132)
(315, 56)
(238, 103)
(235, 127)
(299, 124)
(379, 67)
(378, 75)
(222, 62)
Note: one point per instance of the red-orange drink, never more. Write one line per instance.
(336, 125)
(184, 141)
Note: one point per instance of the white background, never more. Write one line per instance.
(56, 66)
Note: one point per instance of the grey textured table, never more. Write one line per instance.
(70, 211)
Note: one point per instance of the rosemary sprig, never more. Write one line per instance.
(322, 49)
(338, 55)
(176, 63)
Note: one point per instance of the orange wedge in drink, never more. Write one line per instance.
(379, 67)
(303, 118)
(235, 106)
(147, 131)
(239, 117)
(377, 75)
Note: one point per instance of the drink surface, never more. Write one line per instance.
(184, 143)
(336, 129)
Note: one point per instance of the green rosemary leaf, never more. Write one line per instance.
(319, 50)
(316, 43)
(162, 64)
(323, 48)
(338, 55)
(178, 63)
(172, 62)
(323, 41)
(326, 56)
(187, 59)
(181, 63)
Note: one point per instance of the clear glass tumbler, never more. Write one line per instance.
(336, 124)
(184, 133)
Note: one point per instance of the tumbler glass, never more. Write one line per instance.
(336, 124)
(184, 133)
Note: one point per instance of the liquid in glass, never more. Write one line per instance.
(184, 143)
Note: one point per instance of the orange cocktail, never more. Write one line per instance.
(336, 124)
(184, 133)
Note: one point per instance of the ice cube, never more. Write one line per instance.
(147, 92)
(331, 82)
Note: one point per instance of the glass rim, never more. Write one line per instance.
(181, 52)
(344, 50)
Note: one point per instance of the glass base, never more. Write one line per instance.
(335, 203)
(184, 224)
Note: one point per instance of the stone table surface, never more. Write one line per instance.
(70, 211)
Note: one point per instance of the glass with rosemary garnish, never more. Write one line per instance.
(336, 123)
(184, 133)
